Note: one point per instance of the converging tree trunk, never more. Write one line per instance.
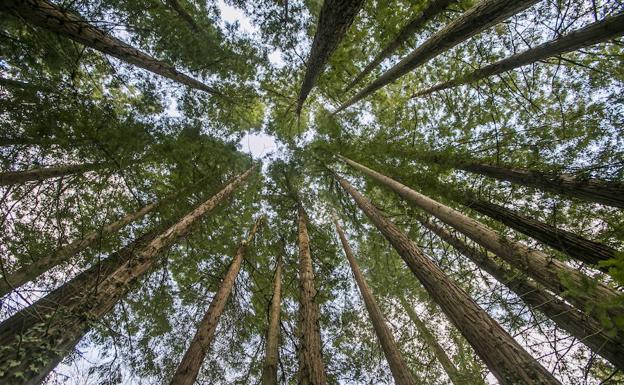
(434, 8)
(271, 355)
(39, 349)
(311, 366)
(584, 292)
(183, 14)
(49, 16)
(335, 18)
(483, 15)
(587, 330)
(9, 178)
(191, 363)
(594, 33)
(501, 353)
(400, 371)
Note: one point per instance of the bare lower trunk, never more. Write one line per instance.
(483, 15)
(400, 371)
(269, 367)
(191, 363)
(594, 33)
(311, 366)
(501, 353)
(53, 18)
(9, 178)
(585, 329)
(335, 18)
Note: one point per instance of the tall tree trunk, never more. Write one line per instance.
(311, 366)
(51, 17)
(9, 178)
(400, 371)
(568, 243)
(31, 271)
(483, 15)
(595, 33)
(335, 18)
(582, 291)
(31, 359)
(269, 367)
(438, 351)
(501, 353)
(434, 8)
(585, 329)
(191, 363)
(184, 15)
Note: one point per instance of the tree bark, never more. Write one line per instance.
(585, 329)
(582, 291)
(400, 371)
(53, 18)
(311, 366)
(184, 15)
(25, 274)
(191, 363)
(44, 344)
(335, 18)
(9, 178)
(434, 8)
(269, 367)
(483, 15)
(501, 353)
(595, 33)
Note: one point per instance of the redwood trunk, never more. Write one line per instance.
(311, 366)
(483, 15)
(269, 367)
(48, 341)
(335, 18)
(183, 14)
(400, 371)
(594, 33)
(9, 178)
(553, 274)
(53, 18)
(501, 353)
(585, 329)
(191, 363)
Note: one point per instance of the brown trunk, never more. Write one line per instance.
(34, 357)
(31, 271)
(191, 363)
(569, 243)
(335, 18)
(9, 178)
(400, 371)
(483, 15)
(582, 291)
(501, 353)
(269, 367)
(51, 17)
(594, 33)
(585, 329)
(311, 366)
(183, 14)
(434, 8)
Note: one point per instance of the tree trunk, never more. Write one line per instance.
(9, 178)
(438, 351)
(184, 15)
(575, 246)
(400, 371)
(483, 15)
(501, 353)
(269, 367)
(434, 8)
(191, 363)
(31, 359)
(53, 18)
(25, 274)
(595, 33)
(582, 291)
(585, 329)
(335, 18)
(311, 366)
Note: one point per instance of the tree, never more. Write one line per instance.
(9, 178)
(271, 355)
